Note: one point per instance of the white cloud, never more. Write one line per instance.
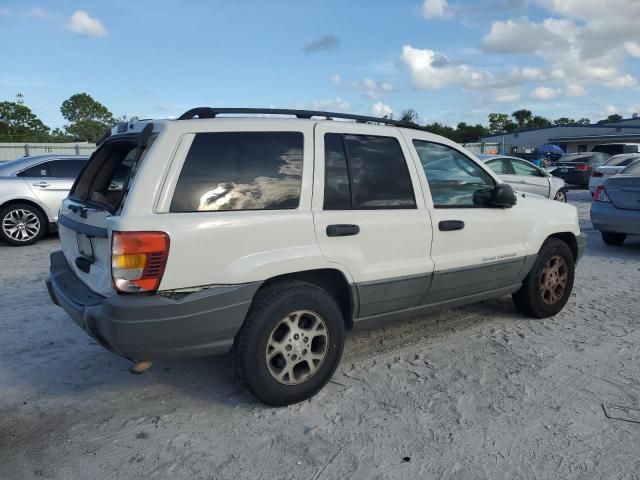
(84, 24)
(583, 40)
(379, 109)
(545, 93)
(431, 70)
(435, 8)
(632, 48)
(610, 109)
(507, 97)
(336, 78)
(374, 89)
(333, 104)
(575, 90)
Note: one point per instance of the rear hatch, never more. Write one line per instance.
(624, 191)
(99, 193)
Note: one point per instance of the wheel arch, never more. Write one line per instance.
(570, 239)
(333, 281)
(32, 203)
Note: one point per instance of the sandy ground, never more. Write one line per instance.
(475, 392)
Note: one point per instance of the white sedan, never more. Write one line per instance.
(524, 176)
(611, 167)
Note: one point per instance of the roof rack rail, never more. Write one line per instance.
(210, 112)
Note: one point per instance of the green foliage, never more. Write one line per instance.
(584, 121)
(522, 117)
(538, 122)
(88, 118)
(614, 118)
(564, 121)
(410, 116)
(500, 123)
(19, 124)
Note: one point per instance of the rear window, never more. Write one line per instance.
(103, 183)
(633, 169)
(619, 161)
(241, 171)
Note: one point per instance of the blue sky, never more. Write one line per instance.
(450, 60)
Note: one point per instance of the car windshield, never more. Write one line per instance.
(620, 160)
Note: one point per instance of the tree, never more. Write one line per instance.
(88, 118)
(522, 117)
(19, 124)
(564, 121)
(410, 116)
(584, 121)
(469, 133)
(500, 123)
(538, 122)
(614, 118)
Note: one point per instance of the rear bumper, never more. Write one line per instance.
(145, 327)
(574, 178)
(607, 218)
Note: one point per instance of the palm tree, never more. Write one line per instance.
(522, 117)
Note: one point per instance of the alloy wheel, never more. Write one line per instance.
(297, 347)
(21, 225)
(553, 282)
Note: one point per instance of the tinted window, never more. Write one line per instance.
(499, 166)
(522, 168)
(453, 178)
(65, 168)
(40, 170)
(379, 174)
(241, 171)
(619, 161)
(337, 192)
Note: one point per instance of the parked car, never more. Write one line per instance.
(31, 191)
(617, 148)
(269, 237)
(523, 176)
(612, 166)
(576, 168)
(615, 209)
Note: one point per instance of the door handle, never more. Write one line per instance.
(41, 184)
(450, 225)
(342, 230)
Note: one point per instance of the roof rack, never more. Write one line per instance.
(209, 112)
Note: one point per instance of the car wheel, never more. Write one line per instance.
(22, 224)
(611, 238)
(547, 287)
(561, 196)
(290, 343)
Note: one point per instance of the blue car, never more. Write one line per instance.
(615, 209)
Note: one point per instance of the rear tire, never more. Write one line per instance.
(290, 343)
(615, 239)
(22, 224)
(547, 287)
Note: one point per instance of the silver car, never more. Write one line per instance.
(31, 191)
(524, 176)
(615, 209)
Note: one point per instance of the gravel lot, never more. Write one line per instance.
(474, 392)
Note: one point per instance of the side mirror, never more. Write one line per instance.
(502, 196)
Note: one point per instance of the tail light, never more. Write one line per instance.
(583, 168)
(600, 194)
(138, 260)
(596, 173)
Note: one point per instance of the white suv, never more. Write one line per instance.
(269, 237)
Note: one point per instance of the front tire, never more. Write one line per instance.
(547, 287)
(615, 239)
(290, 343)
(561, 196)
(22, 224)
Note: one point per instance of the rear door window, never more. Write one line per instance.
(65, 168)
(41, 170)
(499, 166)
(522, 168)
(241, 171)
